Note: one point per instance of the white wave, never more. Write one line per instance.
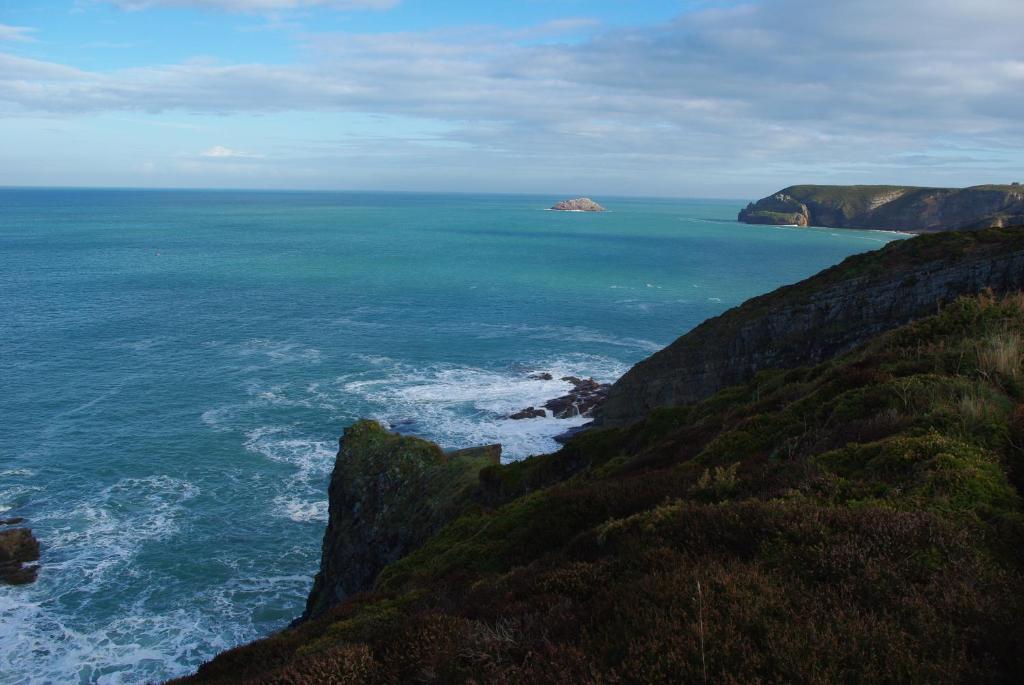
(145, 644)
(460, 406)
(106, 532)
(301, 510)
(89, 549)
(303, 494)
(566, 334)
(17, 472)
(278, 351)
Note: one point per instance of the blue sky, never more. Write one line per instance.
(652, 97)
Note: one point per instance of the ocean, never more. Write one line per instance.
(177, 367)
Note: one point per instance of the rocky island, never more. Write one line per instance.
(897, 208)
(580, 204)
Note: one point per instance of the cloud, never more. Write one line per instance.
(778, 87)
(221, 152)
(16, 33)
(257, 5)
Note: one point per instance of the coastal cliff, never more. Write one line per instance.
(901, 208)
(827, 314)
(388, 494)
(857, 518)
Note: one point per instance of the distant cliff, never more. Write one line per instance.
(902, 208)
(825, 315)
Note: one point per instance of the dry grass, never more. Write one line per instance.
(1001, 355)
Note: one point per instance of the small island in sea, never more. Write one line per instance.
(580, 204)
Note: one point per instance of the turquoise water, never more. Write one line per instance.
(177, 367)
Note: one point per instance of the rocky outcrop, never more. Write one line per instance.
(902, 208)
(388, 493)
(820, 317)
(580, 204)
(18, 548)
(586, 395)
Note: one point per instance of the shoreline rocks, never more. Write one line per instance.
(580, 204)
(585, 396)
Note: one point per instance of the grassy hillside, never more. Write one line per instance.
(855, 521)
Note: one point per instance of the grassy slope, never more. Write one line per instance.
(855, 521)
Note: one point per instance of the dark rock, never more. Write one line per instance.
(820, 317)
(529, 413)
(491, 454)
(568, 435)
(18, 547)
(388, 494)
(541, 376)
(585, 396)
(11, 522)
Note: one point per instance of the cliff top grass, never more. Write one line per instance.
(895, 257)
(855, 521)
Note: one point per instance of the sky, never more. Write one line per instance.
(674, 98)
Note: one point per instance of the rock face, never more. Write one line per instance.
(388, 494)
(580, 204)
(902, 208)
(18, 547)
(820, 317)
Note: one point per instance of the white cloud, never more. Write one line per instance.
(221, 152)
(16, 33)
(257, 5)
(777, 87)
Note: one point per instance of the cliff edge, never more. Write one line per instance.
(898, 208)
(388, 494)
(827, 314)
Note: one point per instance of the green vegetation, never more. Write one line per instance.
(856, 521)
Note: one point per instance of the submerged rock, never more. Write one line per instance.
(388, 494)
(18, 547)
(580, 204)
(545, 376)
